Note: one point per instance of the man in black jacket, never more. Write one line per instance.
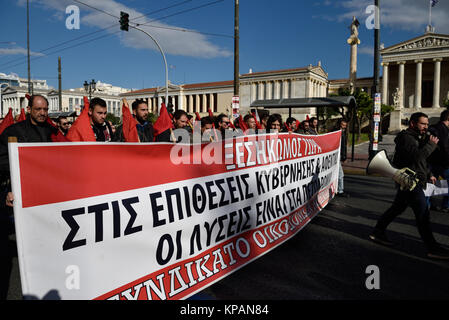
(34, 129)
(97, 114)
(439, 160)
(144, 127)
(413, 147)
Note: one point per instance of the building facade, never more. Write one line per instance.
(198, 97)
(13, 96)
(416, 77)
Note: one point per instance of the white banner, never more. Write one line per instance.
(121, 221)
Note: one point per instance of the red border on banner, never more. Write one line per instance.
(274, 233)
(111, 168)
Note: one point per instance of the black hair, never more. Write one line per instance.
(247, 117)
(444, 115)
(274, 117)
(206, 120)
(415, 117)
(137, 102)
(179, 113)
(97, 102)
(290, 120)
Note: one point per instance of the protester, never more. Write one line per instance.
(223, 124)
(97, 115)
(413, 147)
(63, 124)
(304, 128)
(180, 121)
(439, 160)
(274, 123)
(263, 120)
(313, 126)
(144, 127)
(34, 129)
(207, 133)
(250, 122)
(342, 124)
(291, 124)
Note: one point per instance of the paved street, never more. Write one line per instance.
(328, 259)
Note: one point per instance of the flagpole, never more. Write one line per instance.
(430, 13)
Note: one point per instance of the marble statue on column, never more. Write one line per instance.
(353, 41)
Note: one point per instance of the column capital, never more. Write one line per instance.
(385, 64)
(438, 59)
(419, 61)
(401, 62)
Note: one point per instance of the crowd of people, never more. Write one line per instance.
(92, 125)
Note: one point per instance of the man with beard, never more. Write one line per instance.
(97, 115)
(413, 148)
(144, 127)
(34, 128)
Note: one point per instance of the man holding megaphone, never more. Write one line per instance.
(413, 146)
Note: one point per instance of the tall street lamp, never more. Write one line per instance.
(90, 88)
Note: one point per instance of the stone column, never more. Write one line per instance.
(437, 83)
(401, 83)
(385, 83)
(212, 102)
(418, 85)
(269, 90)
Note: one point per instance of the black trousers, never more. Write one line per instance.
(417, 201)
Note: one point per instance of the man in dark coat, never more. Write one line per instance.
(144, 127)
(34, 129)
(413, 148)
(439, 160)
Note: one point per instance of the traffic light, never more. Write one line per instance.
(124, 21)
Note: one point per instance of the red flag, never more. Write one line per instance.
(163, 122)
(231, 125)
(242, 124)
(298, 124)
(287, 127)
(129, 125)
(22, 116)
(81, 130)
(307, 118)
(9, 120)
(58, 136)
(258, 125)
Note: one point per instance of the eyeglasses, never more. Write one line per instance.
(226, 123)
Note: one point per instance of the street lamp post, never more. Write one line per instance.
(124, 25)
(165, 62)
(90, 88)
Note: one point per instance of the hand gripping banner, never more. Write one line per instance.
(160, 221)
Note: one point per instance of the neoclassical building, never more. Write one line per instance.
(306, 82)
(197, 97)
(416, 77)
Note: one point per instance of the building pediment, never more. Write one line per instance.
(9, 90)
(319, 71)
(422, 43)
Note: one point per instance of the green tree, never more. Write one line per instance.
(115, 120)
(365, 105)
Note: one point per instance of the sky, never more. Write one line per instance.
(197, 38)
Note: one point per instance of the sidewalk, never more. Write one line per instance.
(358, 166)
